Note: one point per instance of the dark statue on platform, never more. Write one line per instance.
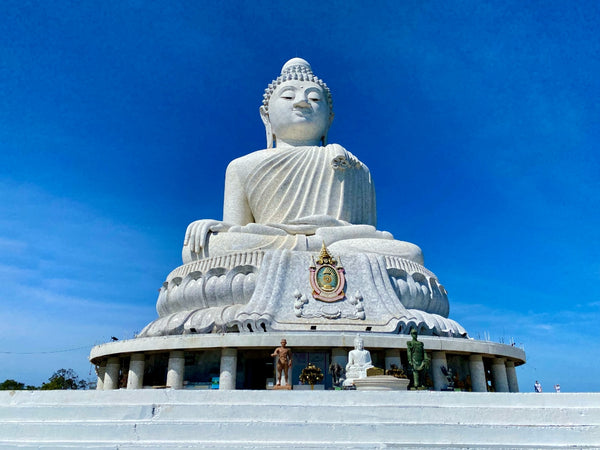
(417, 359)
(336, 372)
(449, 374)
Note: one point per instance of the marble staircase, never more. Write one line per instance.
(130, 419)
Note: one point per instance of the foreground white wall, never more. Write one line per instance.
(296, 419)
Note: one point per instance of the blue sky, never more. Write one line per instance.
(479, 121)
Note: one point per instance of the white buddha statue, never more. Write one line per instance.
(298, 192)
(359, 360)
(250, 271)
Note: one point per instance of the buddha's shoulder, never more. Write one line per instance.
(256, 156)
(243, 163)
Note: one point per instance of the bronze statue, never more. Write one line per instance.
(417, 358)
(284, 362)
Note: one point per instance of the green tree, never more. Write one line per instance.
(64, 379)
(11, 385)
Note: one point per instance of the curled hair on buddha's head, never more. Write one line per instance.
(294, 69)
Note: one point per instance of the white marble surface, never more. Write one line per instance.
(381, 383)
(168, 418)
(278, 297)
(296, 198)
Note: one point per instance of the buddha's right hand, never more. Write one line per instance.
(197, 232)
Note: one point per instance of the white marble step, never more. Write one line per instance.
(472, 415)
(261, 419)
(112, 432)
(257, 434)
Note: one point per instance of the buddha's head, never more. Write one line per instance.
(359, 344)
(297, 108)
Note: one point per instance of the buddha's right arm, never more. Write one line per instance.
(236, 209)
(235, 212)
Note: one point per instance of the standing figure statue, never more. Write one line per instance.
(359, 360)
(336, 373)
(284, 361)
(449, 374)
(417, 358)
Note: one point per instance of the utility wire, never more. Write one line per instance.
(49, 351)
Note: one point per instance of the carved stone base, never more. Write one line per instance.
(271, 291)
(381, 383)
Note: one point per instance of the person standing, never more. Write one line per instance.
(537, 387)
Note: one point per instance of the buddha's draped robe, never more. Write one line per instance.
(304, 186)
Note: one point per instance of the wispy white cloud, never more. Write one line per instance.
(552, 339)
(62, 269)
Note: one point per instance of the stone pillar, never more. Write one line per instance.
(438, 360)
(175, 369)
(392, 356)
(511, 375)
(228, 369)
(135, 379)
(477, 370)
(111, 376)
(499, 374)
(101, 370)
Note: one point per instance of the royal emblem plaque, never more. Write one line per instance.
(327, 278)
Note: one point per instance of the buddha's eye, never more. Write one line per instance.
(314, 98)
(287, 95)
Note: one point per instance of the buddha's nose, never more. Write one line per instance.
(301, 104)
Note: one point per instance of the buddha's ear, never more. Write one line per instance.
(264, 115)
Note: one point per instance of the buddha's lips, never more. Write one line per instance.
(301, 112)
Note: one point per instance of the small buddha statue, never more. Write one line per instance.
(359, 360)
(299, 192)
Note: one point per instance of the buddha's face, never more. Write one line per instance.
(299, 113)
(359, 344)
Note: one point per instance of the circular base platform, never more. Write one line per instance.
(242, 361)
(315, 340)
